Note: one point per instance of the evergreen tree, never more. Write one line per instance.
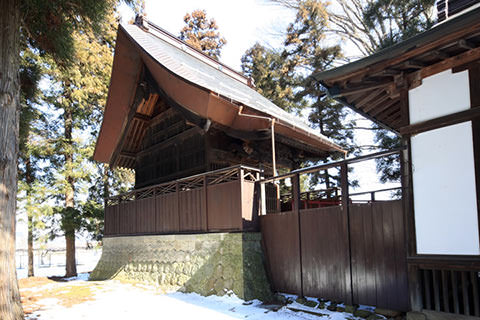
(202, 33)
(271, 76)
(374, 25)
(77, 94)
(47, 27)
(29, 151)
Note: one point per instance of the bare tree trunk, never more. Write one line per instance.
(71, 265)
(31, 272)
(10, 307)
(29, 179)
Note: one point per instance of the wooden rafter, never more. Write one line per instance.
(358, 89)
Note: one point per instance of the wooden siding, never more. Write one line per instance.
(221, 200)
(378, 253)
(223, 203)
(324, 253)
(379, 268)
(281, 245)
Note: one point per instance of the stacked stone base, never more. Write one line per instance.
(210, 263)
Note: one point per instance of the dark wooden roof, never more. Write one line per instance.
(373, 86)
(198, 85)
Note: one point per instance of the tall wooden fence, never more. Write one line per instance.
(220, 200)
(335, 249)
(309, 253)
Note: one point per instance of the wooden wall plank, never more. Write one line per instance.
(223, 208)
(323, 253)
(166, 213)
(191, 209)
(281, 245)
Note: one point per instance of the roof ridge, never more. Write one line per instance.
(142, 22)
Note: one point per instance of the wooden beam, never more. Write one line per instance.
(386, 73)
(383, 107)
(126, 154)
(465, 44)
(142, 117)
(441, 122)
(368, 97)
(413, 64)
(336, 92)
(440, 54)
(452, 62)
(374, 104)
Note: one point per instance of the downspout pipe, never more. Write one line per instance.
(272, 128)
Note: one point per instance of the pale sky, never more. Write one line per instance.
(242, 23)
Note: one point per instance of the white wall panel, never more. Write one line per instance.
(445, 203)
(439, 95)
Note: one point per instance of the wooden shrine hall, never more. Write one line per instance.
(189, 125)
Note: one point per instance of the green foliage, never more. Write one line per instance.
(202, 33)
(272, 79)
(395, 22)
(398, 20)
(388, 167)
(374, 24)
(49, 25)
(284, 76)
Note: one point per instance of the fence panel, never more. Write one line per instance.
(224, 207)
(281, 243)
(325, 253)
(127, 221)
(145, 215)
(166, 216)
(379, 265)
(191, 209)
(377, 253)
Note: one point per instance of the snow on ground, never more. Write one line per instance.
(80, 299)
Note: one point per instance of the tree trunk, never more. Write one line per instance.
(31, 272)
(71, 265)
(29, 179)
(10, 307)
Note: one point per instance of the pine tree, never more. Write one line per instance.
(307, 51)
(29, 152)
(271, 76)
(374, 25)
(202, 33)
(77, 94)
(48, 28)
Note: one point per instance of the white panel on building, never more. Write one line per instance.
(445, 204)
(439, 95)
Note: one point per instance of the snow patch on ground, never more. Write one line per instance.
(116, 300)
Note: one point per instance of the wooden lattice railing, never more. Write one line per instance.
(211, 201)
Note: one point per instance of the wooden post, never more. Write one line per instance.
(240, 181)
(263, 202)
(348, 242)
(155, 230)
(274, 160)
(296, 210)
(372, 196)
(177, 198)
(205, 204)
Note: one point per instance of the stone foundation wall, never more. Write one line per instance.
(211, 263)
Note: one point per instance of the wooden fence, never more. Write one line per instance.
(315, 258)
(220, 200)
(353, 252)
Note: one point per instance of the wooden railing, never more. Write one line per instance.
(297, 198)
(212, 201)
